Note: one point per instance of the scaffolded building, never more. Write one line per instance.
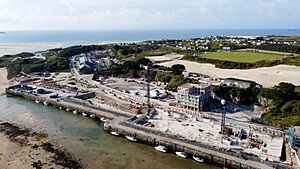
(193, 97)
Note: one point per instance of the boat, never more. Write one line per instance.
(103, 119)
(84, 114)
(45, 103)
(114, 133)
(181, 154)
(130, 138)
(198, 159)
(161, 148)
(75, 112)
(37, 101)
(67, 109)
(92, 116)
(60, 108)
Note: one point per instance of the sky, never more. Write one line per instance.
(148, 14)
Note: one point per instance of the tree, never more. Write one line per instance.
(178, 69)
(175, 82)
(144, 61)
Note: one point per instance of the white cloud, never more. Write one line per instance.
(148, 14)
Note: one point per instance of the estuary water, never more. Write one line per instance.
(85, 139)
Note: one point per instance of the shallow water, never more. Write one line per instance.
(85, 139)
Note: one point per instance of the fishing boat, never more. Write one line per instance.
(45, 103)
(92, 116)
(161, 148)
(130, 138)
(37, 101)
(114, 133)
(181, 154)
(84, 114)
(75, 112)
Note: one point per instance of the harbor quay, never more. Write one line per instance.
(119, 121)
(70, 105)
(174, 144)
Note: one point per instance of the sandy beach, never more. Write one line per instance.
(13, 48)
(4, 82)
(267, 76)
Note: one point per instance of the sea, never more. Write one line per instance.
(70, 38)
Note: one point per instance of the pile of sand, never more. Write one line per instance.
(165, 58)
(267, 76)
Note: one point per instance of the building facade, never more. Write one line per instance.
(193, 97)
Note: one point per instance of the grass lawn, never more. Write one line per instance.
(241, 56)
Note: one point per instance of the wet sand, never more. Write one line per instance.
(267, 76)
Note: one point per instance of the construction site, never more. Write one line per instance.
(159, 111)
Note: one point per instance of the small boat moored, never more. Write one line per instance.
(181, 154)
(114, 133)
(130, 138)
(67, 109)
(84, 114)
(161, 148)
(198, 159)
(45, 103)
(75, 112)
(37, 101)
(103, 119)
(92, 116)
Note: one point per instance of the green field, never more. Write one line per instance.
(241, 56)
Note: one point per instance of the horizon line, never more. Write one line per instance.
(179, 29)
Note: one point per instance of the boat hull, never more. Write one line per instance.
(161, 149)
(198, 159)
(114, 133)
(181, 154)
(132, 139)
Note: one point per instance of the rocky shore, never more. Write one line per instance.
(23, 148)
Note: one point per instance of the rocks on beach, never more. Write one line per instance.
(21, 147)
